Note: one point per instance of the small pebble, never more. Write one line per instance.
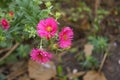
(115, 44)
(118, 61)
(46, 65)
(75, 71)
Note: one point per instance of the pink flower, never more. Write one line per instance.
(65, 37)
(5, 24)
(40, 56)
(47, 28)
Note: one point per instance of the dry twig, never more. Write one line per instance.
(3, 50)
(96, 5)
(10, 51)
(104, 58)
(103, 61)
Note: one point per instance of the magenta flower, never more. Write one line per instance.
(40, 56)
(47, 28)
(5, 24)
(65, 37)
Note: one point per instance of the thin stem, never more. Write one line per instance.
(40, 43)
(56, 51)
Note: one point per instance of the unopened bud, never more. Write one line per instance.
(48, 4)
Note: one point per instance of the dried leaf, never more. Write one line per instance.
(88, 49)
(93, 75)
(41, 71)
(75, 75)
(24, 77)
(16, 70)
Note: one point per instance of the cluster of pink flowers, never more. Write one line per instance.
(5, 23)
(48, 28)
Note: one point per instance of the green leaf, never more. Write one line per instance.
(11, 58)
(60, 70)
(23, 51)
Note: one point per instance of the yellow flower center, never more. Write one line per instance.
(49, 29)
(65, 37)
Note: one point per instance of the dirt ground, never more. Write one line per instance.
(111, 66)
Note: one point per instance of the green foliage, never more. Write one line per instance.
(100, 43)
(57, 15)
(80, 12)
(60, 73)
(48, 4)
(73, 50)
(2, 76)
(60, 70)
(27, 13)
(90, 63)
(83, 11)
(76, 79)
(30, 31)
(80, 56)
(23, 51)
(4, 3)
(9, 59)
(101, 13)
(23, 25)
(5, 39)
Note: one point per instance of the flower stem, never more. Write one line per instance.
(41, 44)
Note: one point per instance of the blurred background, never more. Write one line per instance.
(94, 22)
